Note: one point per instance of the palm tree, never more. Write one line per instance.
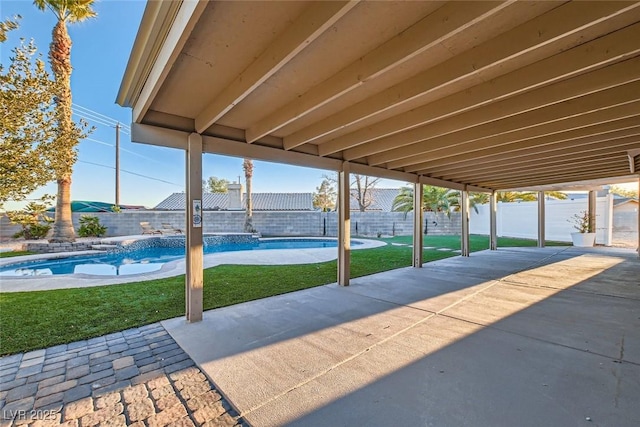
(454, 200)
(247, 165)
(435, 199)
(67, 133)
(518, 196)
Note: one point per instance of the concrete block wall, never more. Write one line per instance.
(281, 223)
(395, 223)
(7, 230)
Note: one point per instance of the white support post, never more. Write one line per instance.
(417, 225)
(464, 238)
(591, 209)
(194, 265)
(607, 220)
(638, 248)
(493, 222)
(541, 220)
(344, 225)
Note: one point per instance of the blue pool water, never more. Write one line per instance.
(145, 260)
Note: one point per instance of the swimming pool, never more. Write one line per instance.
(148, 256)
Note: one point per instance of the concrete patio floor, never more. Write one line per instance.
(514, 337)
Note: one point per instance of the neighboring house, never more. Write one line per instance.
(382, 201)
(233, 200)
(625, 205)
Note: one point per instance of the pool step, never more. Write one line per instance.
(104, 247)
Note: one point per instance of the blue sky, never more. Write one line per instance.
(101, 48)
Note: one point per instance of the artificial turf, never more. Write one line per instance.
(14, 253)
(39, 319)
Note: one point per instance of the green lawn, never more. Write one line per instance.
(33, 320)
(478, 242)
(14, 253)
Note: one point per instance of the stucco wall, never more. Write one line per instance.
(521, 220)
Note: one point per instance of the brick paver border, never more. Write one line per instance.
(138, 377)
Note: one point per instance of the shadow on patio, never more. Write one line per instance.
(514, 337)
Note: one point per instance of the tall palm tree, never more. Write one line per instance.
(247, 165)
(67, 135)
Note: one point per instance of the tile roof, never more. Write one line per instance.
(281, 201)
(382, 199)
(261, 202)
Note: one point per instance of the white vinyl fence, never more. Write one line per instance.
(520, 219)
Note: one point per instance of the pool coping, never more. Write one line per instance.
(171, 268)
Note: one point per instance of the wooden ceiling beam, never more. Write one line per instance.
(473, 155)
(537, 118)
(432, 30)
(583, 58)
(183, 23)
(602, 172)
(563, 163)
(552, 98)
(459, 143)
(584, 146)
(313, 22)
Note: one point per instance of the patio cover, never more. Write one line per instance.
(474, 96)
(496, 95)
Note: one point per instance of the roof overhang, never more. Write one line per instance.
(469, 95)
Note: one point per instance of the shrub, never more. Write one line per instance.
(32, 219)
(33, 232)
(90, 227)
(581, 222)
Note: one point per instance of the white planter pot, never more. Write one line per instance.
(583, 239)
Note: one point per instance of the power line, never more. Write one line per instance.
(107, 121)
(99, 142)
(104, 117)
(132, 173)
(90, 117)
(128, 151)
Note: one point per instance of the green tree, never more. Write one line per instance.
(6, 26)
(435, 199)
(325, 196)
(631, 194)
(518, 196)
(27, 122)
(32, 219)
(247, 166)
(68, 133)
(217, 185)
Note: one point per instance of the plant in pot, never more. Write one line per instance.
(585, 236)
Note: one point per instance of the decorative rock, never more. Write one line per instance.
(78, 409)
(138, 411)
(109, 399)
(135, 393)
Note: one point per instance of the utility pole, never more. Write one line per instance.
(118, 164)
